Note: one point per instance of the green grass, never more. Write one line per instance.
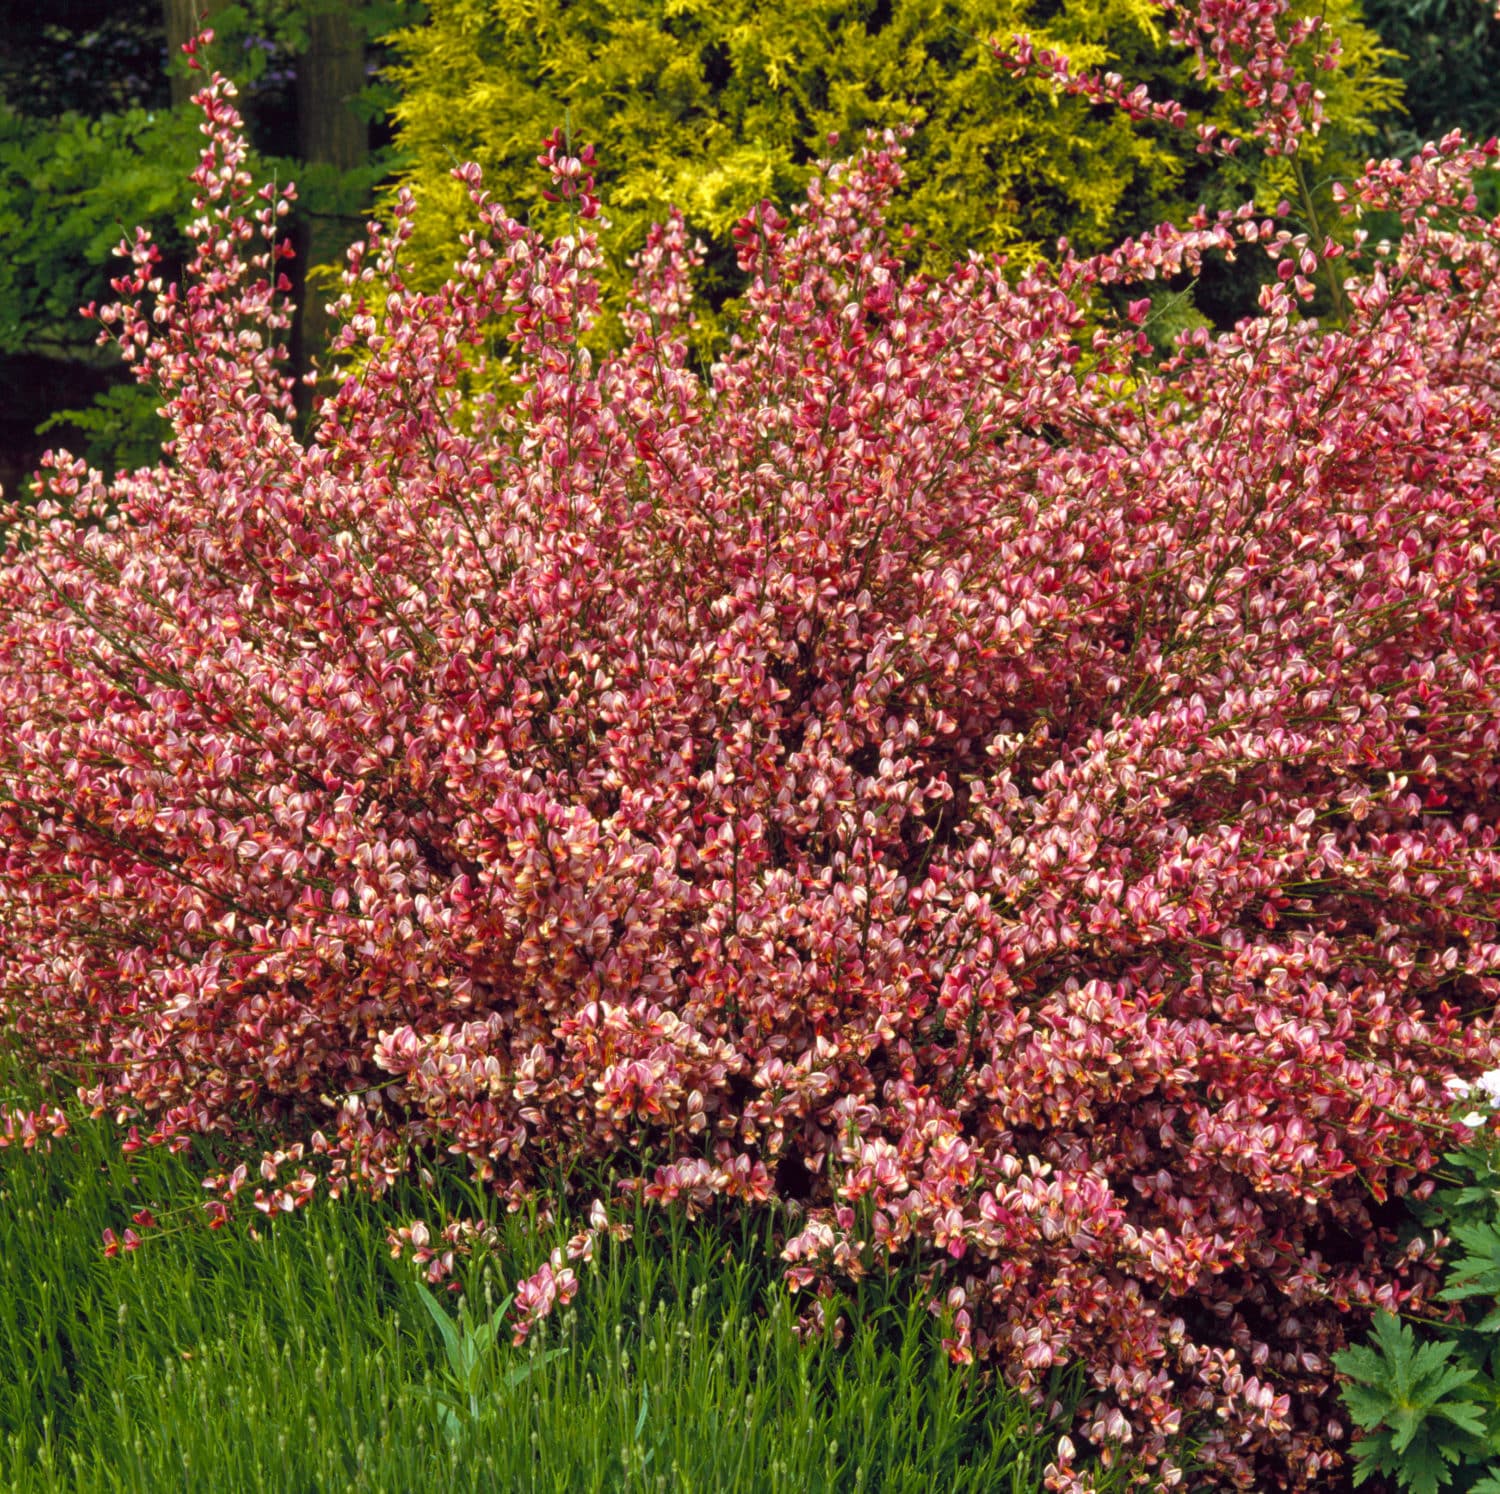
(307, 1360)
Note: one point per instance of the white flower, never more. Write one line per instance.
(1473, 1120)
(1458, 1088)
(1490, 1084)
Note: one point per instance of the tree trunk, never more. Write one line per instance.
(330, 132)
(184, 20)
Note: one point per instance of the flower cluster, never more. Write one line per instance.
(1013, 802)
(1245, 49)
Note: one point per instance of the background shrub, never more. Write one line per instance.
(96, 137)
(711, 107)
(1447, 53)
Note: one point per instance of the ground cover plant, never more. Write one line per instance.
(295, 1355)
(1020, 805)
(1427, 1396)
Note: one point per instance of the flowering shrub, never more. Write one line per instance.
(1014, 802)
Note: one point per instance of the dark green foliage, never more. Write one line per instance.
(1476, 1272)
(1449, 60)
(1421, 1412)
(89, 150)
(70, 190)
(1427, 1398)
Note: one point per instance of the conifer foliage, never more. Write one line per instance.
(1015, 803)
(711, 105)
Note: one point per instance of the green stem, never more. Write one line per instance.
(1340, 309)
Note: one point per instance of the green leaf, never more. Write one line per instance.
(451, 1342)
(1417, 1409)
(518, 1374)
(1476, 1272)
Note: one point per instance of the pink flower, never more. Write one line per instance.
(536, 1296)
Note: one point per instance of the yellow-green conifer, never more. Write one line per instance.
(713, 104)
